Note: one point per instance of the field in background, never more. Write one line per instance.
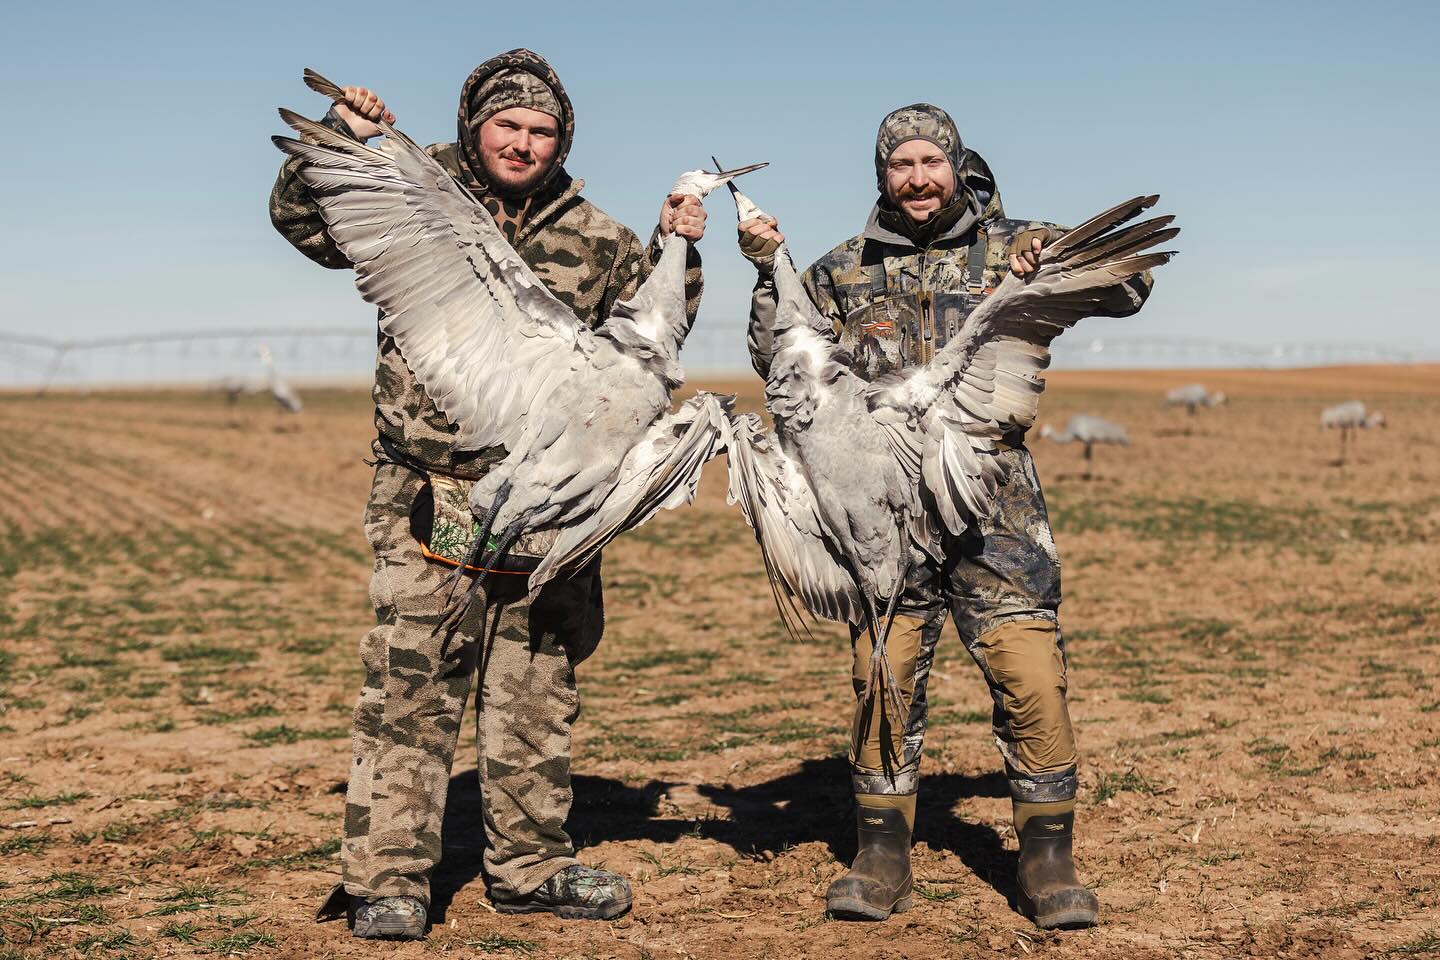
(1255, 674)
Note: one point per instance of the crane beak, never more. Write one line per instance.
(744, 206)
(725, 176)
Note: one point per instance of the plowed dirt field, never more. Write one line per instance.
(1254, 634)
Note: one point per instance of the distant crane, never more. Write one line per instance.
(285, 396)
(1347, 418)
(1088, 430)
(1193, 396)
(234, 388)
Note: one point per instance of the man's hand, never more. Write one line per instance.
(361, 110)
(760, 237)
(1025, 250)
(682, 214)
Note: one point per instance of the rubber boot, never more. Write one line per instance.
(879, 882)
(1051, 893)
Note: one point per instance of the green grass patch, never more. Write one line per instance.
(321, 851)
(499, 941)
(937, 894)
(960, 716)
(1131, 781)
(215, 717)
(59, 799)
(1427, 943)
(214, 653)
(669, 658)
(26, 843)
(270, 736)
(1278, 758)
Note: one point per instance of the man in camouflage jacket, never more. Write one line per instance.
(515, 128)
(936, 243)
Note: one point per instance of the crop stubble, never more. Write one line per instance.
(1254, 637)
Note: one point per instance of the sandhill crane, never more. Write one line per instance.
(1193, 396)
(285, 396)
(234, 388)
(593, 448)
(1088, 430)
(858, 480)
(1347, 418)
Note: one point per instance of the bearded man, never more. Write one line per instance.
(516, 126)
(937, 243)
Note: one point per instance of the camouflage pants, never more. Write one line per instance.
(407, 720)
(1001, 583)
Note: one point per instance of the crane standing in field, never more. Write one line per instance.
(1193, 396)
(1348, 418)
(1088, 430)
(901, 372)
(286, 399)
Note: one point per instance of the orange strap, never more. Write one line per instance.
(429, 554)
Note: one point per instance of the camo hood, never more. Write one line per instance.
(975, 199)
(918, 121)
(516, 78)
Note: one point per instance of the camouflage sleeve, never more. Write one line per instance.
(633, 264)
(761, 336)
(294, 212)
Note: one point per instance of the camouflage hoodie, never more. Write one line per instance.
(898, 291)
(585, 258)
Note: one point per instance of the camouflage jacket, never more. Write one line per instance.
(892, 303)
(585, 258)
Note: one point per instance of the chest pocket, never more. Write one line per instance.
(880, 334)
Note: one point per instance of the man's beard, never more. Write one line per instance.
(512, 189)
(928, 192)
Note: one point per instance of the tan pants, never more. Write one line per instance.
(1024, 667)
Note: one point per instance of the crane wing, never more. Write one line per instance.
(779, 504)
(947, 415)
(482, 334)
(662, 470)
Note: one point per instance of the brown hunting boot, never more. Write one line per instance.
(879, 881)
(1051, 893)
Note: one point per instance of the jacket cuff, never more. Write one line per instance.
(334, 122)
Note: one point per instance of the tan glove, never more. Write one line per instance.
(1023, 258)
(759, 239)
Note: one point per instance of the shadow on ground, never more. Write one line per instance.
(811, 804)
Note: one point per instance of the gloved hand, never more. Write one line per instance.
(760, 237)
(1025, 249)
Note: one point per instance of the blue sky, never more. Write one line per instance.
(1296, 142)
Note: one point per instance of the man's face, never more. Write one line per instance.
(517, 147)
(918, 179)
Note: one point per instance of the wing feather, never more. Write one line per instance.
(662, 471)
(485, 338)
(988, 378)
(779, 504)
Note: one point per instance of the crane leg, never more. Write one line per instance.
(880, 672)
(477, 546)
(480, 557)
(1089, 455)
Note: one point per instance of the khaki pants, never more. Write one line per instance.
(407, 720)
(1001, 583)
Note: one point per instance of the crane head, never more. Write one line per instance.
(699, 183)
(745, 208)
